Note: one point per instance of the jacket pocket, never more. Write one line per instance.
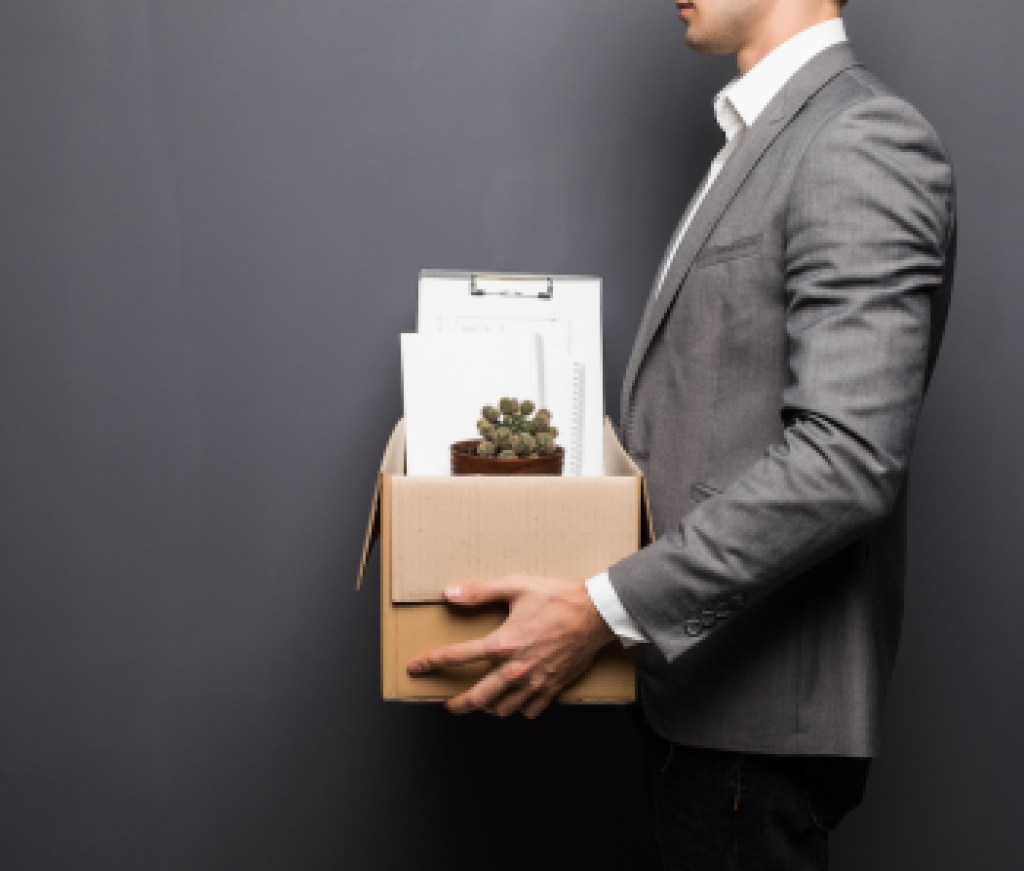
(725, 251)
(700, 491)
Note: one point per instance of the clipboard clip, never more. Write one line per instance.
(511, 284)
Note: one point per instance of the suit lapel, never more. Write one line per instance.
(813, 76)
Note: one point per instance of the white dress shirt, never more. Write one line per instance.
(737, 107)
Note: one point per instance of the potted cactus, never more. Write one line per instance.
(515, 438)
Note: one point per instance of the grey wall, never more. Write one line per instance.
(212, 217)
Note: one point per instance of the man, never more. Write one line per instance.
(771, 400)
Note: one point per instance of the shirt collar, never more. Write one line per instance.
(740, 102)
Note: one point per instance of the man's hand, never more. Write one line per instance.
(550, 636)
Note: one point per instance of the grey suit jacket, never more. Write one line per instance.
(771, 400)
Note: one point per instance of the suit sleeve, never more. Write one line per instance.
(867, 246)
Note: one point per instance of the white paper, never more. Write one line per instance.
(446, 381)
(569, 326)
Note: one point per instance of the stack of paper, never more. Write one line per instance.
(447, 380)
(483, 337)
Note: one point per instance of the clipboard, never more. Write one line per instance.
(564, 311)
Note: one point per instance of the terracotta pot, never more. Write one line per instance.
(466, 462)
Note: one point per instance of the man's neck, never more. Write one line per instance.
(782, 22)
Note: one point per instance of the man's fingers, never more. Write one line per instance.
(499, 645)
(513, 700)
(483, 592)
(472, 593)
(454, 654)
(538, 704)
(487, 690)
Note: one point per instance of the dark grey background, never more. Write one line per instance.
(212, 217)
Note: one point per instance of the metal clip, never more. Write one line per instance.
(504, 284)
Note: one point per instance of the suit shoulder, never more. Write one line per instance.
(871, 146)
(861, 104)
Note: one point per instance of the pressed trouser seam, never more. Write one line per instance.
(668, 758)
(736, 803)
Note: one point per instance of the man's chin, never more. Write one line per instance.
(706, 45)
(694, 41)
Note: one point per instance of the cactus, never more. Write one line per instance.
(515, 429)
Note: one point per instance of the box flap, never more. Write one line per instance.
(426, 585)
(647, 534)
(372, 533)
(474, 527)
(618, 462)
(392, 461)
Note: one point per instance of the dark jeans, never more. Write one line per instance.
(716, 810)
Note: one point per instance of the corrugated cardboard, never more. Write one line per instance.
(438, 531)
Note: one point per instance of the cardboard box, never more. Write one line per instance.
(436, 531)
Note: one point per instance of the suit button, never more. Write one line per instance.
(737, 600)
(692, 627)
(707, 618)
(722, 610)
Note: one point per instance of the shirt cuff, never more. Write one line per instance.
(612, 611)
